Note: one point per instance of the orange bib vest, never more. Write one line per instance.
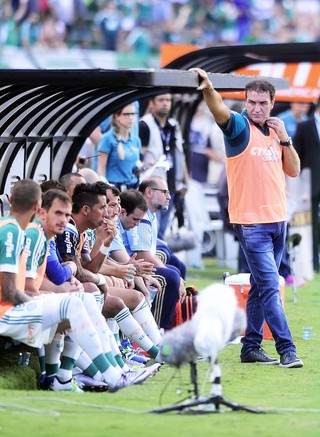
(256, 181)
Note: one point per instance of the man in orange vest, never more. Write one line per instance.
(259, 153)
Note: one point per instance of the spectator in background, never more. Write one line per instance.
(145, 25)
(297, 112)
(103, 128)
(53, 33)
(67, 12)
(201, 148)
(161, 137)
(307, 143)
(107, 25)
(120, 150)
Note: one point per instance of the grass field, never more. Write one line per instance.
(290, 398)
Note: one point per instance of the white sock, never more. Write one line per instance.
(53, 353)
(114, 328)
(131, 328)
(99, 323)
(144, 317)
(111, 376)
(54, 349)
(88, 326)
(69, 356)
(85, 363)
(99, 298)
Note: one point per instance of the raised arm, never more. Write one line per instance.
(216, 105)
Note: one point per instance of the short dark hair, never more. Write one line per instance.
(153, 98)
(52, 183)
(106, 187)
(115, 191)
(24, 194)
(261, 86)
(49, 196)
(86, 194)
(132, 199)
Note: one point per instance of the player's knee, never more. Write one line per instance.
(112, 306)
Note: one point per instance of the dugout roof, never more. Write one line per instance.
(46, 115)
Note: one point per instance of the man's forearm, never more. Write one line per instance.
(10, 292)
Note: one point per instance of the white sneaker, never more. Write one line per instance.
(70, 385)
(140, 376)
(134, 377)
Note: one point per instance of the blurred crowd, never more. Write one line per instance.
(141, 26)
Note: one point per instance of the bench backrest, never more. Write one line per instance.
(4, 205)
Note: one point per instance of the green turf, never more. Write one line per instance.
(291, 398)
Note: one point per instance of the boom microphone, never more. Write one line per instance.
(217, 321)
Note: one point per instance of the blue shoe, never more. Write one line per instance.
(45, 382)
(290, 360)
(258, 356)
(130, 355)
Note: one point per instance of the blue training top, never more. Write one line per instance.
(120, 171)
(237, 133)
(57, 273)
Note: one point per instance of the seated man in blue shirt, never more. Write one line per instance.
(142, 240)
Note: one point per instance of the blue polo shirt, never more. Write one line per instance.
(117, 242)
(120, 171)
(144, 236)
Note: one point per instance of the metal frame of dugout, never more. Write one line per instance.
(46, 115)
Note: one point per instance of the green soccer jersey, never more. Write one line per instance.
(12, 241)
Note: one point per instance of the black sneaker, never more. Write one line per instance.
(290, 360)
(258, 356)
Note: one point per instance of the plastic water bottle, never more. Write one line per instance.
(24, 359)
(153, 292)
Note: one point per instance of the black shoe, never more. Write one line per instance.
(258, 356)
(290, 360)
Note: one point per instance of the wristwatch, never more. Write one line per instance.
(287, 143)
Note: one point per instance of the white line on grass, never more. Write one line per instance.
(29, 411)
(127, 410)
(292, 410)
(84, 404)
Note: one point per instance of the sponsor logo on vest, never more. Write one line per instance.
(269, 154)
